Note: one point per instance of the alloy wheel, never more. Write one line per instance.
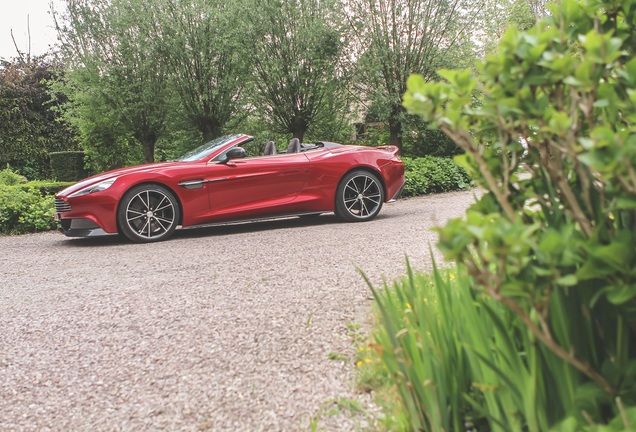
(362, 196)
(150, 214)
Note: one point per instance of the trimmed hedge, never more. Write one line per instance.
(432, 174)
(68, 165)
(45, 187)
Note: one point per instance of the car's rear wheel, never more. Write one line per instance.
(359, 196)
(148, 213)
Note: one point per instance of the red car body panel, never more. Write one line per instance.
(209, 191)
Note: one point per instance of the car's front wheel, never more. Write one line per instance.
(359, 196)
(148, 213)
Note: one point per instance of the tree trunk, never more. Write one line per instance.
(209, 129)
(148, 146)
(300, 133)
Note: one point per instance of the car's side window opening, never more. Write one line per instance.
(254, 149)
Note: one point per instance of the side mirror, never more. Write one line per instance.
(234, 153)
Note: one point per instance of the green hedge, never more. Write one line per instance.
(45, 187)
(25, 210)
(67, 165)
(26, 207)
(432, 174)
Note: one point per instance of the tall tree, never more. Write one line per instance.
(398, 37)
(114, 69)
(297, 62)
(201, 45)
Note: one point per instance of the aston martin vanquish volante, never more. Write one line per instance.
(218, 182)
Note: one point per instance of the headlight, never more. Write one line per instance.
(94, 188)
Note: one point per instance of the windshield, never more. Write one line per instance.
(206, 149)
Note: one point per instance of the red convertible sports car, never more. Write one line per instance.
(218, 182)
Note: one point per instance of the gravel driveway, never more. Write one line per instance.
(219, 328)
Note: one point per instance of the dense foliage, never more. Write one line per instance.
(67, 166)
(396, 38)
(26, 206)
(432, 175)
(299, 80)
(30, 124)
(546, 339)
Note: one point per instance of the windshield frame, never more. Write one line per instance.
(211, 149)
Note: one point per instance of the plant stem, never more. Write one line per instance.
(546, 338)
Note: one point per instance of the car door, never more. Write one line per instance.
(254, 186)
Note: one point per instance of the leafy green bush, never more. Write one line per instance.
(25, 210)
(68, 165)
(433, 174)
(553, 141)
(9, 178)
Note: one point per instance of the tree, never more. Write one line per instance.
(30, 123)
(114, 72)
(297, 63)
(398, 37)
(553, 141)
(502, 14)
(203, 46)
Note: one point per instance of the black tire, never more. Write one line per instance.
(148, 213)
(359, 196)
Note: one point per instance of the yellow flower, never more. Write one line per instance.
(367, 360)
(359, 363)
(408, 305)
(452, 276)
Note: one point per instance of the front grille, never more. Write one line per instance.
(61, 206)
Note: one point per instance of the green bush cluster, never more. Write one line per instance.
(67, 165)
(25, 210)
(26, 207)
(432, 174)
(8, 177)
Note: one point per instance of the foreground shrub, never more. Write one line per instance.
(431, 174)
(461, 360)
(25, 211)
(555, 248)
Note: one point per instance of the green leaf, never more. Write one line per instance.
(569, 280)
(621, 295)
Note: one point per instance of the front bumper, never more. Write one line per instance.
(81, 227)
(86, 216)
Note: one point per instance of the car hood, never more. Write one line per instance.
(119, 172)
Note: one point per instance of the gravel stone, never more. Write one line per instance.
(219, 328)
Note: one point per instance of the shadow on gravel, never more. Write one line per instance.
(216, 230)
(111, 240)
(257, 226)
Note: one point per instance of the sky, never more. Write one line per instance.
(13, 15)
